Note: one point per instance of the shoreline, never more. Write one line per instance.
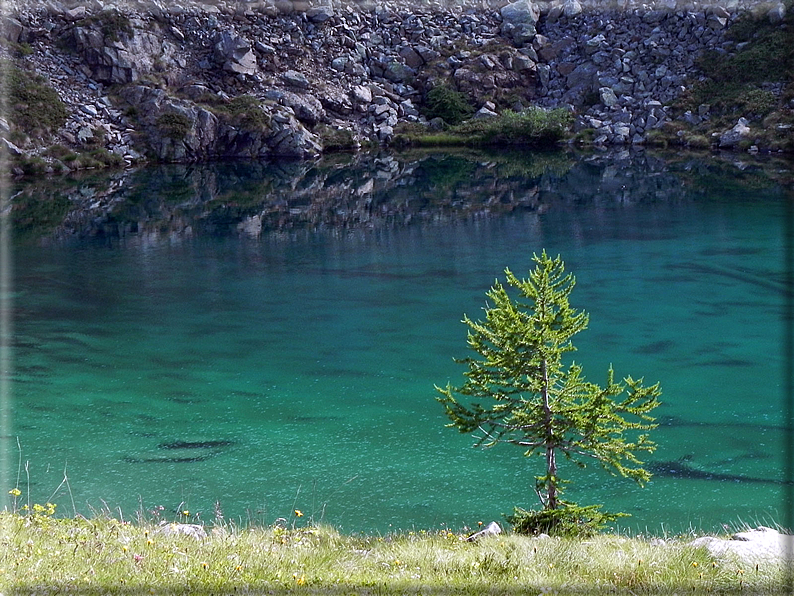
(269, 80)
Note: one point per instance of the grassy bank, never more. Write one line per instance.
(44, 555)
(534, 128)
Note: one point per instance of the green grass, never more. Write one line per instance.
(33, 106)
(736, 85)
(534, 127)
(244, 111)
(102, 555)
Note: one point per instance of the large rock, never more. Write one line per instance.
(175, 529)
(123, 55)
(234, 54)
(518, 21)
(521, 11)
(306, 107)
(731, 138)
(291, 139)
(296, 79)
(320, 14)
(751, 546)
(11, 29)
(178, 130)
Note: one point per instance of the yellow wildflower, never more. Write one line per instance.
(298, 513)
(15, 492)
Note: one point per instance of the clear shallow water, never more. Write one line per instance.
(285, 371)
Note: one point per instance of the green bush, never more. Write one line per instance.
(534, 126)
(105, 157)
(695, 141)
(174, 125)
(244, 111)
(336, 139)
(33, 106)
(756, 101)
(453, 107)
(111, 22)
(570, 520)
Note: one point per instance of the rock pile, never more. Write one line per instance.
(359, 68)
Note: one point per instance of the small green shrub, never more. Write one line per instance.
(33, 106)
(20, 49)
(585, 136)
(105, 157)
(59, 151)
(756, 101)
(173, 125)
(535, 126)
(112, 23)
(570, 521)
(696, 141)
(33, 166)
(336, 139)
(244, 111)
(451, 106)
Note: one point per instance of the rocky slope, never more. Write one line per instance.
(186, 81)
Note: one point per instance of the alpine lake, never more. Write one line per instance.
(251, 339)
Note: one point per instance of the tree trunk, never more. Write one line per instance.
(551, 461)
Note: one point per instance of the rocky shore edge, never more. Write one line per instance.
(188, 81)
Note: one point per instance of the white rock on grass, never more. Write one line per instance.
(175, 529)
(761, 543)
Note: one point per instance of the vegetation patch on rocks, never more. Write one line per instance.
(34, 107)
(533, 127)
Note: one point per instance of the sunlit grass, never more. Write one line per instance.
(46, 555)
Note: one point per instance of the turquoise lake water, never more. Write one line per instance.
(281, 371)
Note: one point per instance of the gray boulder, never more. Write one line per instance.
(319, 14)
(608, 97)
(571, 8)
(296, 79)
(488, 110)
(731, 138)
(521, 11)
(518, 21)
(122, 57)
(291, 139)
(11, 29)
(234, 54)
(307, 107)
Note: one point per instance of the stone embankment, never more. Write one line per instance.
(159, 80)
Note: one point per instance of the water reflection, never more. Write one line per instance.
(364, 191)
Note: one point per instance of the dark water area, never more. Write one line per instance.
(266, 337)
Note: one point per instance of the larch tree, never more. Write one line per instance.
(519, 390)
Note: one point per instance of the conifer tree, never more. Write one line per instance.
(519, 390)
